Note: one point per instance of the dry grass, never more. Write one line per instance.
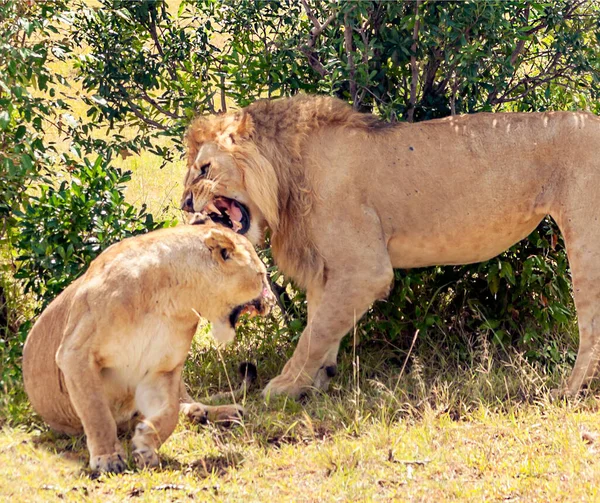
(489, 432)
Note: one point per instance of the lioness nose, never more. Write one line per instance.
(188, 203)
(268, 297)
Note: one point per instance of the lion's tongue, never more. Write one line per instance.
(231, 208)
(235, 213)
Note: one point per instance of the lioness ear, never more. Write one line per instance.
(220, 245)
(237, 127)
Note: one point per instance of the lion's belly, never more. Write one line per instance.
(466, 244)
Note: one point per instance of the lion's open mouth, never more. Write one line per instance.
(256, 307)
(230, 213)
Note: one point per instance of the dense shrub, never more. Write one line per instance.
(150, 69)
(64, 226)
(58, 210)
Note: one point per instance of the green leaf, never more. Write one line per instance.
(27, 163)
(4, 120)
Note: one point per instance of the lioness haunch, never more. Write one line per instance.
(113, 344)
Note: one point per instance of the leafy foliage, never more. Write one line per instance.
(57, 210)
(23, 69)
(147, 70)
(62, 228)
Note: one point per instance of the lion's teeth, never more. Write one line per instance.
(212, 208)
(236, 225)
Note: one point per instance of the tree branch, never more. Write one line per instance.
(350, 55)
(223, 101)
(314, 34)
(413, 67)
(317, 26)
(138, 113)
(148, 99)
(157, 44)
(536, 81)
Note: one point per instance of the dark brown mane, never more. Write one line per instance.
(304, 113)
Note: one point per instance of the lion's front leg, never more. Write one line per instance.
(344, 299)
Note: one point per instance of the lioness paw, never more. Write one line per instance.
(195, 412)
(145, 457)
(226, 415)
(223, 415)
(111, 463)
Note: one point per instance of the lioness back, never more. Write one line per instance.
(42, 378)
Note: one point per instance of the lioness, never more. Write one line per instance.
(113, 344)
(348, 197)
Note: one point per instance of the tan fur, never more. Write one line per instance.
(114, 342)
(356, 197)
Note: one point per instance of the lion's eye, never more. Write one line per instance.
(204, 170)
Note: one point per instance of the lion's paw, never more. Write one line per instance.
(145, 457)
(225, 415)
(284, 384)
(111, 463)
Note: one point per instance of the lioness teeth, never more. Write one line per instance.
(236, 225)
(212, 208)
(251, 311)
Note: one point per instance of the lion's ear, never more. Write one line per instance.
(220, 245)
(237, 127)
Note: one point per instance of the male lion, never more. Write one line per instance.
(114, 342)
(348, 197)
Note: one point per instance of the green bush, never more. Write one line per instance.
(60, 230)
(64, 226)
(402, 60)
(57, 211)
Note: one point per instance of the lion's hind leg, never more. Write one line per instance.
(581, 231)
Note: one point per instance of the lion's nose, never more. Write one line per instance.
(188, 203)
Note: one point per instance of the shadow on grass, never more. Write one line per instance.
(74, 448)
(206, 466)
(373, 385)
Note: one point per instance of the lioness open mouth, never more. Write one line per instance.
(253, 308)
(230, 213)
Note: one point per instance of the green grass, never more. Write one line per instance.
(445, 430)
(159, 189)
